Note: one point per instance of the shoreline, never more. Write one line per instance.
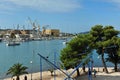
(46, 75)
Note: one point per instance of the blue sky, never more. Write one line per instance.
(67, 15)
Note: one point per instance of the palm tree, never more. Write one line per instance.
(17, 70)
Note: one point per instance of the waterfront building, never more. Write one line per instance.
(51, 32)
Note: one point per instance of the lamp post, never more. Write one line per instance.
(31, 68)
(40, 68)
(54, 67)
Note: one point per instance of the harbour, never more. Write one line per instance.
(59, 40)
(27, 52)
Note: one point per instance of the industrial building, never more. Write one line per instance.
(51, 32)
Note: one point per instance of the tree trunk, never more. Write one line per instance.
(78, 73)
(104, 63)
(17, 78)
(83, 69)
(115, 67)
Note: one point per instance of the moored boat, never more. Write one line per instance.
(65, 42)
(12, 43)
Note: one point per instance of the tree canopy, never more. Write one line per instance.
(17, 70)
(75, 51)
(104, 40)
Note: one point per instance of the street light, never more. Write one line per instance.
(40, 65)
(31, 69)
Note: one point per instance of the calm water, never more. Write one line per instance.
(28, 51)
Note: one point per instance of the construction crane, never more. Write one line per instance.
(33, 27)
(18, 26)
(38, 31)
(32, 23)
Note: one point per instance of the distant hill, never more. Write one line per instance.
(84, 32)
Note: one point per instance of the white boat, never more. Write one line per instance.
(65, 41)
(12, 43)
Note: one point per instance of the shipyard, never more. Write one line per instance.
(15, 36)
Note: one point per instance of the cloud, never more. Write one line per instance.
(42, 5)
(115, 2)
(4, 8)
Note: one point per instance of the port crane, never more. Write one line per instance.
(35, 27)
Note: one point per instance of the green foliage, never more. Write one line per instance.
(97, 32)
(17, 70)
(97, 35)
(104, 38)
(76, 50)
(109, 32)
(103, 35)
(118, 42)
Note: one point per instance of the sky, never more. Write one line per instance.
(71, 16)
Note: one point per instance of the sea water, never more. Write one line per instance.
(27, 54)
